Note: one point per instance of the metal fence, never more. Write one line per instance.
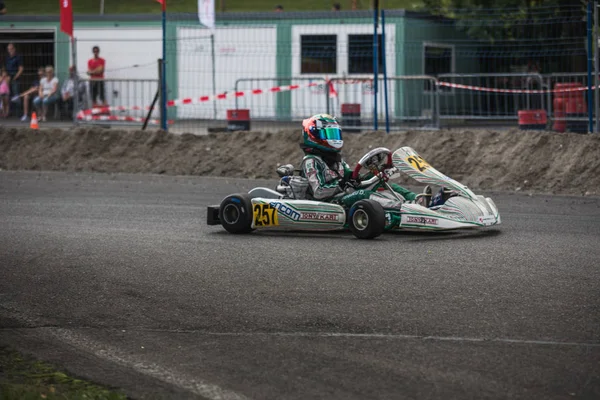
(494, 65)
(412, 102)
(116, 101)
(488, 96)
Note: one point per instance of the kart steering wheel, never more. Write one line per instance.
(375, 161)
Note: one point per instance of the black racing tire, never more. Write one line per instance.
(235, 213)
(366, 219)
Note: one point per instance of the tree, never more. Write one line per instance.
(513, 19)
(549, 33)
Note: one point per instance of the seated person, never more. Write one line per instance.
(68, 92)
(48, 92)
(26, 94)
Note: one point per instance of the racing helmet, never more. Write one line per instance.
(322, 132)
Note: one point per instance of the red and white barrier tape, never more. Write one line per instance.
(118, 118)
(107, 110)
(86, 114)
(233, 95)
(514, 91)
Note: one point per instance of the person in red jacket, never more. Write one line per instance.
(96, 67)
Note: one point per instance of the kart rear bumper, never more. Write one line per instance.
(212, 215)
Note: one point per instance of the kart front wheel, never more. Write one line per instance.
(235, 213)
(366, 219)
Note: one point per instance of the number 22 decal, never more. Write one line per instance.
(418, 163)
(265, 215)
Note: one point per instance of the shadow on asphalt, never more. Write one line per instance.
(411, 236)
(454, 235)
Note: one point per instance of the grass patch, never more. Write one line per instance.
(48, 7)
(24, 378)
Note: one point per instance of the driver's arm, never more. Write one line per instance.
(321, 190)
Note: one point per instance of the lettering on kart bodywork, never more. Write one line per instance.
(285, 210)
(487, 220)
(422, 220)
(315, 216)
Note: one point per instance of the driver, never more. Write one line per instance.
(325, 168)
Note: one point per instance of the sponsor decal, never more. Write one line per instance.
(309, 167)
(487, 220)
(285, 210)
(422, 220)
(315, 216)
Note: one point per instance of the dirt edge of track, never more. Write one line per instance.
(512, 160)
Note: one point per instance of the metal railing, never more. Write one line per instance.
(414, 102)
(489, 96)
(409, 105)
(124, 98)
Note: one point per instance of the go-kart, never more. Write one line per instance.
(286, 208)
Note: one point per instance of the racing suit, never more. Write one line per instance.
(324, 183)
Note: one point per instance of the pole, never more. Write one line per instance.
(163, 75)
(76, 89)
(597, 68)
(101, 7)
(214, 79)
(375, 63)
(385, 83)
(156, 96)
(589, 68)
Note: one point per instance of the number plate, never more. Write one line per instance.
(265, 215)
(417, 163)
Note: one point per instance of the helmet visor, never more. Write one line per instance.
(330, 133)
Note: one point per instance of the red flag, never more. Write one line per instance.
(332, 91)
(66, 16)
(164, 4)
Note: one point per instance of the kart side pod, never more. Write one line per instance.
(239, 213)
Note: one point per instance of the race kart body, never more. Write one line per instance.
(287, 208)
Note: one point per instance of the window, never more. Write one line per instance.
(318, 54)
(438, 59)
(360, 54)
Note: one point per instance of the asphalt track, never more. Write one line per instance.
(118, 279)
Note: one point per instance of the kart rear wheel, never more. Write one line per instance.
(366, 219)
(235, 213)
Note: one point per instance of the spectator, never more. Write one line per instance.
(35, 86)
(68, 91)
(14, 67)
(278, 8)
(336, 7)
(2, 8)
(48, 92)
(4, 91)
(96, 67)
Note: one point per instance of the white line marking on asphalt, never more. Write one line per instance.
(112, 354)
(380, 336)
